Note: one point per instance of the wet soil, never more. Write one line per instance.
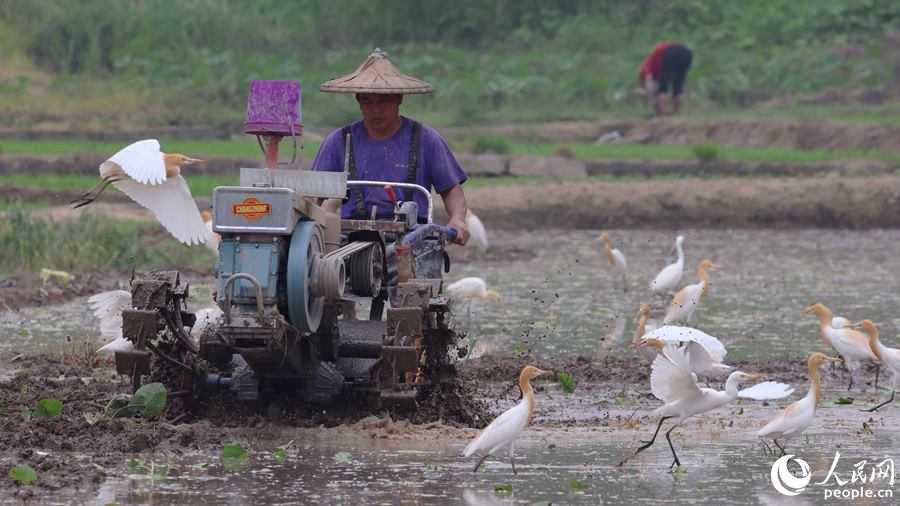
(80, 447)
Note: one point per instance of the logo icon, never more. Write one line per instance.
(252, 209)
(783, 480)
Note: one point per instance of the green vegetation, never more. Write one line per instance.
(29, 243)
(707, 151)
(182, 63)
(497, 144)
(147, 402)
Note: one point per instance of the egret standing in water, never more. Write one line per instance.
(474, 288)
(670, 276)
(153, 179)
(617, 264)
(852, 344)
(504, 430)
(671, 381)
(688, 299)
(648, 352)
(888, 356)
(794, 419)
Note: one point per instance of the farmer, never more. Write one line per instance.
(385, 146)
(669, 63)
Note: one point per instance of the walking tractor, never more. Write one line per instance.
(289, 275)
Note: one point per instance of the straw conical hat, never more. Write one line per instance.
(377, 75)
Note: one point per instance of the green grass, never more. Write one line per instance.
(686, 152)
(248, 147)
(29, 243)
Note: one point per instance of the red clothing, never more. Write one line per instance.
(653, 64)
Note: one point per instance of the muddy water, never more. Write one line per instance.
(559, 299)
(555, 471)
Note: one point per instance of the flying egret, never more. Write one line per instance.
(853, 345)
(504, 430)
(794, 419)
(888, 356)
(153, 179)
(670, 276)
(671, 382)
(688, 299)
(760, 391)
(474, 288)
(705, 352)
(648, 352)
(477, 233)
(212, 238)
(617, 264)
(108, 307)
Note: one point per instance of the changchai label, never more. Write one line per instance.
(252, 209)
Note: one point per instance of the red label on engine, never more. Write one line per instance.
(252, 209)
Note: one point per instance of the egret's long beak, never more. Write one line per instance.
(752, 377)
(193, 160)
(833, 359)
(716, 267)
(807, 311)
(642, 343)
(853, 326)
(545, 372)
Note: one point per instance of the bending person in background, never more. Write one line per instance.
(668, 64)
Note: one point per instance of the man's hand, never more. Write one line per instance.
(455, 204)
(462, 232)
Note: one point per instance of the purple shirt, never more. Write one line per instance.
(388, 160)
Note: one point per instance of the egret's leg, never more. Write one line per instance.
(513, 460)
(783, 451)
(85, 198)
(883, 403)
(851, 379)
(648, 443)
(624, 283)
(512, 456)
(669, 439)
(480, 462)
(877, 370)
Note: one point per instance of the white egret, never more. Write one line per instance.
(705, 352)
(472, 288)
(152, 179)
(477, 233)
(888, 356)
(671, 382)
(504, 430)
(669, 277)
(617, 264)
(688, 299)
(853, 345)
(206, 318)
(794, 419)
(108, 307)
(212, 238)
(648, 352)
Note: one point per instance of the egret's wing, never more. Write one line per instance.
(767, 390)
(143, 161)
(502, 431)
(713, 347)
(118, 344)
(205, 318)
(477, 233)
(667, 277)
(700, 360)
(670, 379)
(108, 307)
(173, 206)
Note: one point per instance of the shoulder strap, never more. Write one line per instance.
(413, 155)
(351, 164)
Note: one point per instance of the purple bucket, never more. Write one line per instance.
(274, 107)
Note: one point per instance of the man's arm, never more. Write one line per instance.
(455, 204)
